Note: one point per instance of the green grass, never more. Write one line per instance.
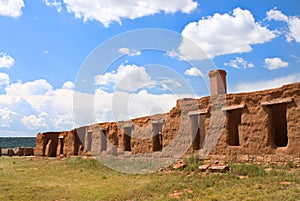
(86, 179)
(249, 170)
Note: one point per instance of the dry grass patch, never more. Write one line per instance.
(87, 179)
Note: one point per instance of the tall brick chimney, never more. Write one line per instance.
(217, 82)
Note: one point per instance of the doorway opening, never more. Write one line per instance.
(233, 121)
(127, 139)
(88, 141)
(278, 125)
(103, 141)
(61, 142)
(157, 142)
(198, 122)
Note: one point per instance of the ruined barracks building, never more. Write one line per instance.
(262, 126)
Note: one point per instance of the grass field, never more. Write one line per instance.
(86, 179)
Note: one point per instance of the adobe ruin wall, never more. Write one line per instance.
(259, 126)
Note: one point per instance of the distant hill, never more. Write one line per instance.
(16, 142)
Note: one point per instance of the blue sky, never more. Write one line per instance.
(53, 55)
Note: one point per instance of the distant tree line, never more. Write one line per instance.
(16, 142)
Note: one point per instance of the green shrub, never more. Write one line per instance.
(192, 163)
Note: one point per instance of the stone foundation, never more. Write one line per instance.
(275, 159)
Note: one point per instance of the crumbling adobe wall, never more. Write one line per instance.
(111, 137)
(69, 144)
(255, 129)
(177, 133)
(25, 151)
(143, 132)
(231, 125)
(66, 143)
(46, 144)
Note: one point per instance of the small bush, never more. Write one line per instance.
(192, 163)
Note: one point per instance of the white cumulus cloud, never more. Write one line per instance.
(38, 106)
(239, 62)
(6, 61)
(37, 87)
(11, 8)
(293, 23)
(194, 72)
(68, 85)
(129, 52)
(6, 116)
(127, 78)
(111, 11)
(277, 15)
(54, 3)
(222, 34)
(122, 105)
(4, 79)
(33, 122)
(294, 27)
(275, 63)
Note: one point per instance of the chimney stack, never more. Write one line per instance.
(217, 82)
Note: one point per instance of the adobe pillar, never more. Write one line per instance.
(217, 82)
